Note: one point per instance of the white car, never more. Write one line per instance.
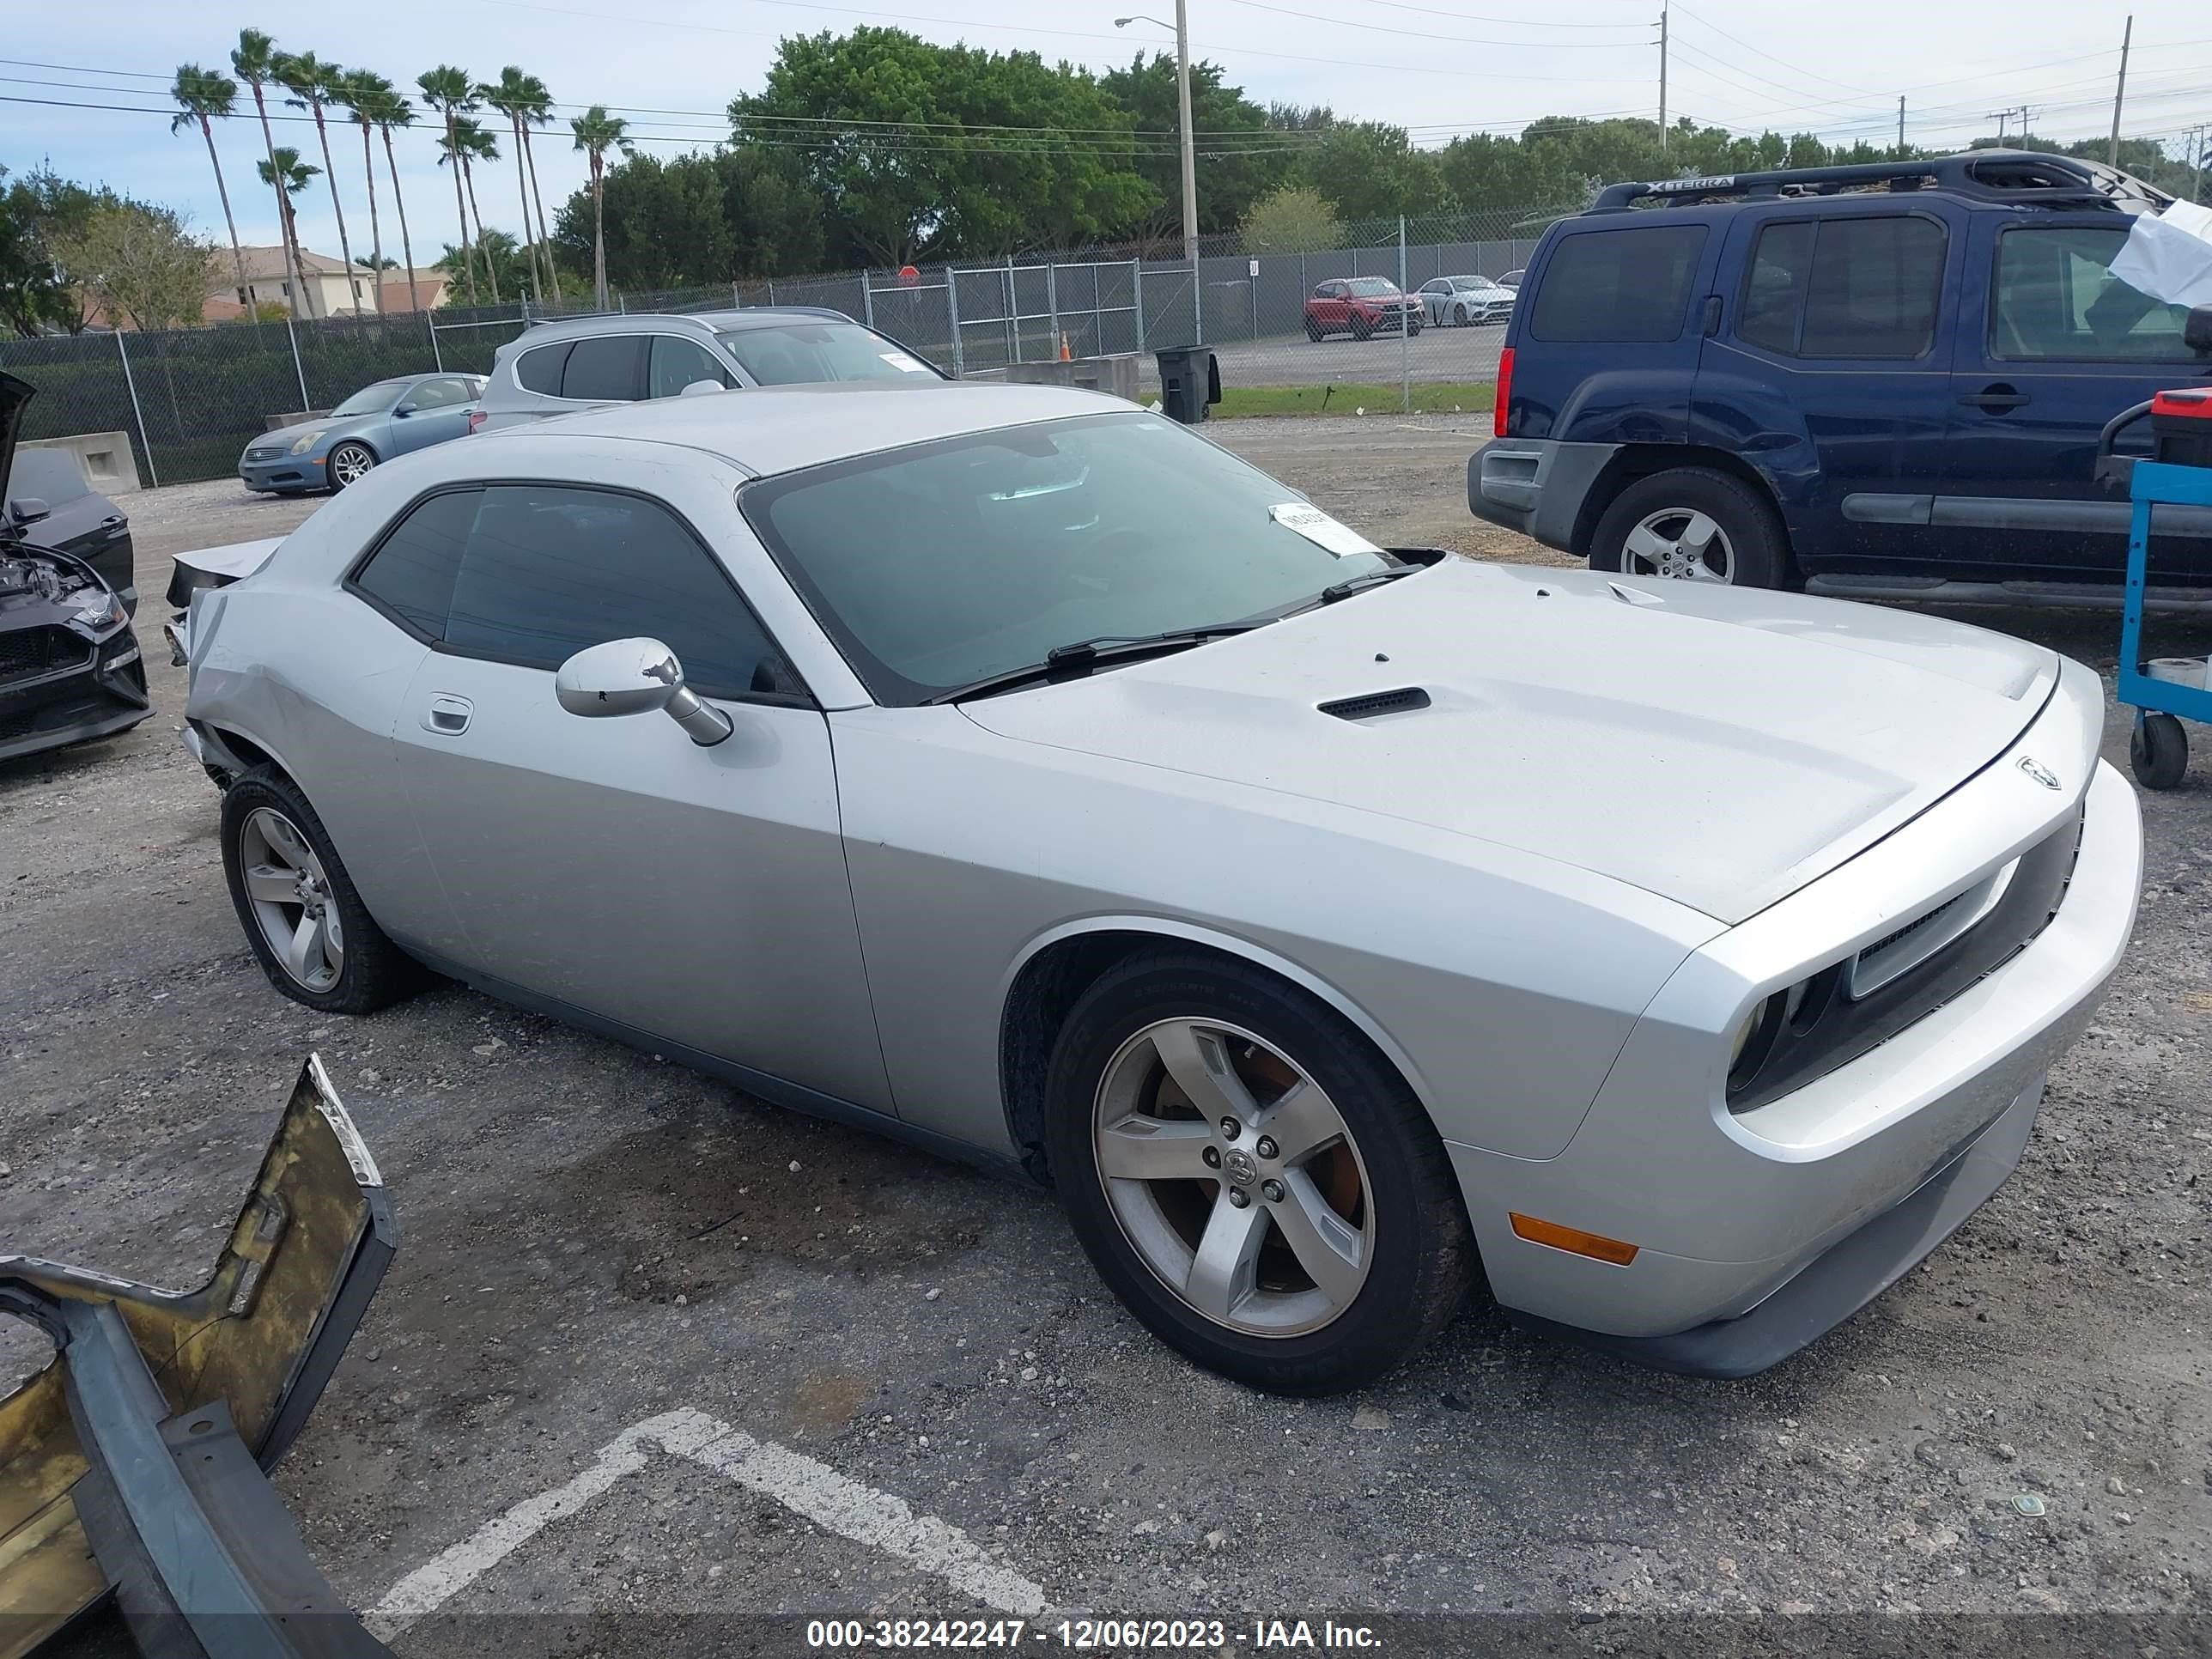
(1009, 770)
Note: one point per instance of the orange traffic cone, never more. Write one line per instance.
(1066, 356)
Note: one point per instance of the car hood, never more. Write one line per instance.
(14, 395)
(289, 435)
(1717, 746)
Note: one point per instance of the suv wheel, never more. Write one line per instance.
(1314, 331)
(1695, 525)
(1361, 328)
(309, 930)
(1250, 1178)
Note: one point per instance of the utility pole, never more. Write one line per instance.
(1901, 123)
(2002, 116)
(2120, 91)
(1662, 77)
(1189, 155)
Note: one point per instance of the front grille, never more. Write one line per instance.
(264, 454)
(1831, 1029)
(29, 652)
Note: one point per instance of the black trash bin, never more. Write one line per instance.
(1190, 381)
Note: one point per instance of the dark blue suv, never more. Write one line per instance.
(1883, 381)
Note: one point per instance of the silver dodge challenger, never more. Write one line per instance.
(1335, 928)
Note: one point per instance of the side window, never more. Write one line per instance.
(1630, 284)
(540, 370)
(550, 569)
(1774, 288)
(605, 368)
(410, 575)
(2056, 297)
(676, 362)
(1874, 288)
(439, 394)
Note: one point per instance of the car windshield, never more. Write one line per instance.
(1371, 288)
(372, 400)
(797, 354)
(943, 564)
(1474, 281)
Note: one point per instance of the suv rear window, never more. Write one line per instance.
(1863, 287)
(1618, 285)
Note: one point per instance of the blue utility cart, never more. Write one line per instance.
(2163, 694)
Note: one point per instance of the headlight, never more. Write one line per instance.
(306, 443)
(1747, 1028)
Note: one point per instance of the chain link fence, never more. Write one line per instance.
(191, 399)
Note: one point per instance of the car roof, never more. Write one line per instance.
(1994, 177)
(771, 429)
(681, 322)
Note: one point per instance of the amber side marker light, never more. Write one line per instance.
(1572, 1239)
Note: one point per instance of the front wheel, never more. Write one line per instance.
(2158, 752)
(349, 464)
(1692, 524)
(1250, 1177)
(1314, 331)
(1361, 328)
(1459, 316)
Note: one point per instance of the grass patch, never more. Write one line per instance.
(1430, 398)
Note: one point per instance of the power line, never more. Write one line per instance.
(1809, 75)
(1431, 34)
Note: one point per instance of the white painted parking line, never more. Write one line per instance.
(830, 1500)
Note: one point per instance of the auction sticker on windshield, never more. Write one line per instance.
(899, 360)
(1317, 527)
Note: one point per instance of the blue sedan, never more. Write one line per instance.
(377, 422)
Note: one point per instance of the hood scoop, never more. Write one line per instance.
(1633, 595)
(1403, 701)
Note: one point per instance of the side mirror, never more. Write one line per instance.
(30, 509)
(401, 412)
(634, 676)
(700, 388)
(2197, 328)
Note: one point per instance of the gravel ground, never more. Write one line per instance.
(590, 1238)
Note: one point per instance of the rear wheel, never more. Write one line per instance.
(1314, 331)
(1250, 1178)
(1692, 524)
(1361, 328)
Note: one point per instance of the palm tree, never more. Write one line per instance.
(253, 61)
(537, 112)
(287, 175)
(204, 95)
(390, 111)
(469, 144)
(597, 132)
(312, 82)
(509, 95)
(449, 91)
(355, 93)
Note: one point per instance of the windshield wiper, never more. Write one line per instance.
(1077, 658)
(1351, 584)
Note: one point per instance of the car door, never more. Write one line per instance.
(1435, 299)
(687, 896)
(2060, 347)
(1826, 365)
(1329, 307)
(434, 412)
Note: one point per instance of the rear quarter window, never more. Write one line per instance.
(1627, 284)
(540, 370)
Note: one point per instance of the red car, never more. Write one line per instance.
(1360, 306)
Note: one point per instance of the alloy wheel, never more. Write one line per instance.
(1234, 1177)
(291, 898)
(1678, 541)
(350, 465)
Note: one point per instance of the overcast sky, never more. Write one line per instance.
(1440, 67)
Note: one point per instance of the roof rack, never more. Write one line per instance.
(2008, 175)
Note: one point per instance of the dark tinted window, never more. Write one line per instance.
(550, 570)
(440, 394)
(1630, 284)
(1874, 288)
(2056, 297)
(540, 370)
(606, 369)
(1774, 289)
(676, 362)
(412, 574)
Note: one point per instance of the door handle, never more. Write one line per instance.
(1998, 397)
(447, 716)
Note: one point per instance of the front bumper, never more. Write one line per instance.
(1820, 1199)
(100, 694)
(1535, 485)
(285, 472)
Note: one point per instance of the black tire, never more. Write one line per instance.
(375, 972)
(1758, 543)
(2158, 752)
(360, 454)
(1424, 1256)
(1315, 332)
(1361, 328)
(1459, 316)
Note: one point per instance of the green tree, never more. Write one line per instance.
(203, 96)
(1294, 220)
(38, 211)
(1370, 170)
(949, 149)
(596, 132)
(451, 93)
(139, 262)
(253, 60)
(356, 93)
(500, 252)
(512, 95)
(536, 111)
(469, 143)
(746, 211)
(288, 176)
(774, 215)
(1241, 158)
(314, 84)
(387, 109)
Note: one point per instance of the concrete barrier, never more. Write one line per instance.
(104, 459)
(1116, 373)
(278, 422)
